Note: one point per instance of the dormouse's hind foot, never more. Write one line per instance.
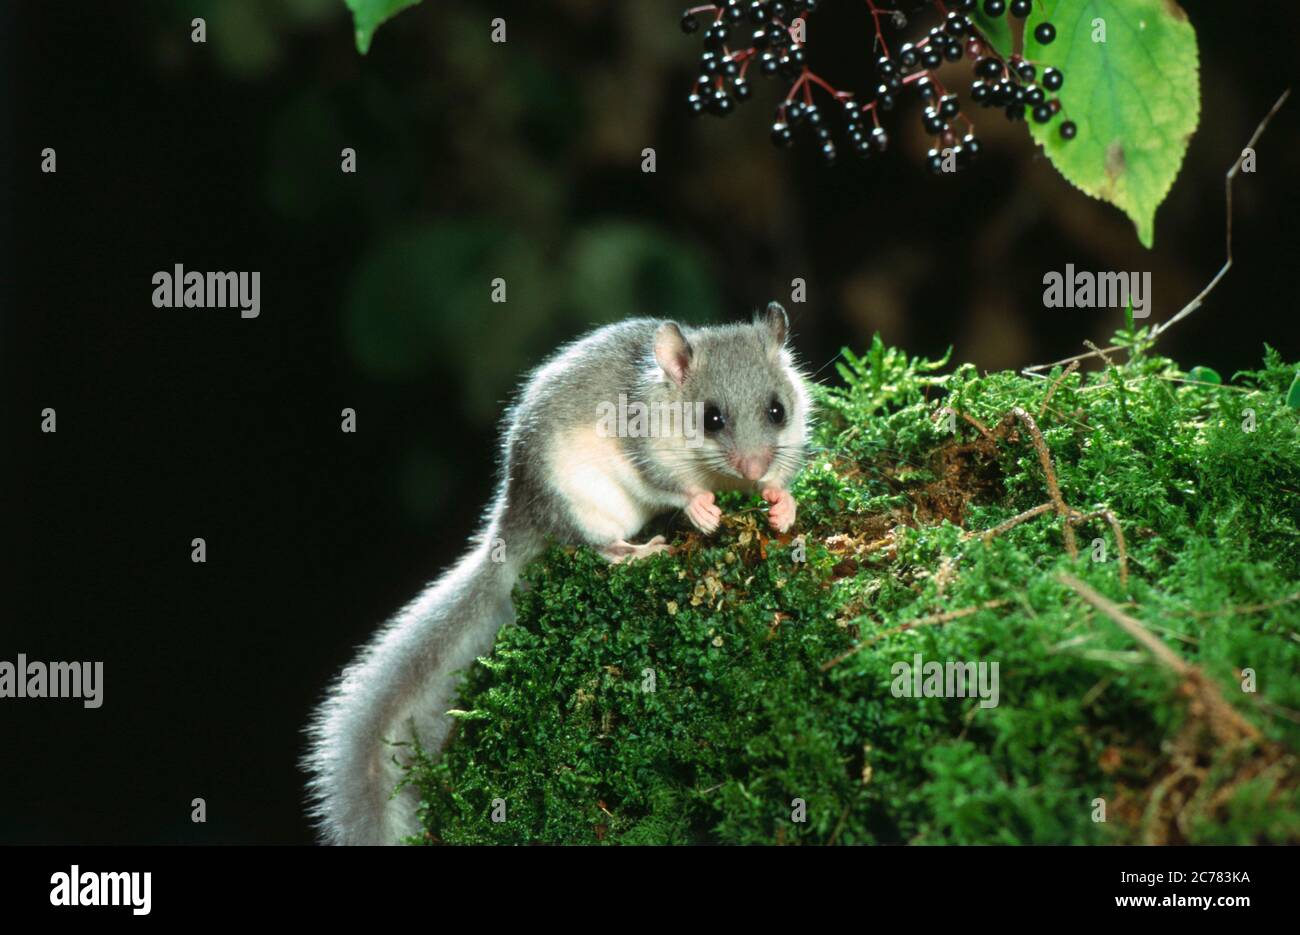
(623, 551)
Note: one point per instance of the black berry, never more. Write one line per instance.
(1044, 33)
(1068, 130)
(1021, 8)
(1053, 79)
(721, 103)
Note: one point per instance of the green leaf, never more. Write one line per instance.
(367, 15)
(996, 29)
(1293, 395)
(1135, 98)
(1204, 375)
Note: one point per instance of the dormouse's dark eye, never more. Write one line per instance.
(775, 411)
(713, 420)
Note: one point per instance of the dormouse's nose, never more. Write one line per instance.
(752, 466)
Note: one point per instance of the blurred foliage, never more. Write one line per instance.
(247, 35)
(748, 712)
(422, 300)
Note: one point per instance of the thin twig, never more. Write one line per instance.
(1196, 302)
(1129, 625)
(1110, 518)
(1053, 488)
(1051, 391)
(1225, 722)
(1227, 190)
(948, 410)
(1016, 520)
(1249, 608)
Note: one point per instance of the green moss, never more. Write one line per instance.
(734, 635)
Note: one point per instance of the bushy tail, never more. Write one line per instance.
(398, 688)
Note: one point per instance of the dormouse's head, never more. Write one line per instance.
(743, 382)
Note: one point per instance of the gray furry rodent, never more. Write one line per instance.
(563, 479)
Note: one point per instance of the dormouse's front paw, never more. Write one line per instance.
(781, 514)
(703, 512)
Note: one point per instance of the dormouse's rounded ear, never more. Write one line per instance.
(673, 352)
(775, 322)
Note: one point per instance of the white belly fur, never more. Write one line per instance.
(607, 498)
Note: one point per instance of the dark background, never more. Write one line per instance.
(475, 161)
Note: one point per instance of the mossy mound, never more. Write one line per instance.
(693, 697)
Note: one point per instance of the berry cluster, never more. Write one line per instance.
(771, 43)
(767, 36)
